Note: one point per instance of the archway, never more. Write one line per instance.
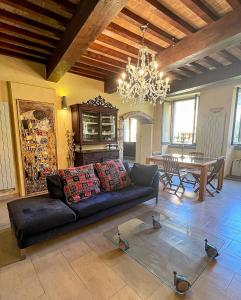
(143, 119)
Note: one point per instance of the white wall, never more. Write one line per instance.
(216, 96)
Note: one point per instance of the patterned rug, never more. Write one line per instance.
(9, 251)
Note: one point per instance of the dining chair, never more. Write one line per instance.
(171, 169)
(156, 153)
(212, 175)
(196, 154)
(193, 155)
(160, 170)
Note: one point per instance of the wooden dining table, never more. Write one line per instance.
(188, 162)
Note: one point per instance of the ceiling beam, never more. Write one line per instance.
(223, 73)
(230, 57)
(133, 37)
(89, 72)
(93, 68)
(199, 67)
(90, 19)
(9, 16)
(212, 38)
(10, 28)
(234, 3)
(172, 18)
(99, 64)
(188, 72)
(66, 5)
(152, 29)
(24, 42)
(86, 75)
(200, 9)
(31, 7)
(105, 39)
(13, 53)
(105, 51)
(27, 50)
(212, 62)
(104, 59)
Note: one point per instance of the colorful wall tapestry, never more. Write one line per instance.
(38, 143)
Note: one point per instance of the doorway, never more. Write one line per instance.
(135, 136)
(129, 143)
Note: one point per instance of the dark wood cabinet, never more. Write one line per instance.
(86, 157)
(94, 123)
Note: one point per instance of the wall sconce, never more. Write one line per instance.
(63, 102)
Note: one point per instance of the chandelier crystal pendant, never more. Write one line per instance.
(143, 82)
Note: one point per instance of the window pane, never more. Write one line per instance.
(133, 130)
(126, 130)
(166, 122)
(237, 122)
(183, 121)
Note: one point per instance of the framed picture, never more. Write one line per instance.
(38, 144)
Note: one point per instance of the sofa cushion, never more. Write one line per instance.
(143, 174)
(112, 175)
(109, 199)
(55, 187)
(37, 214)
(79, 183)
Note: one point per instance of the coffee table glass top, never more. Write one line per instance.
(174, 247)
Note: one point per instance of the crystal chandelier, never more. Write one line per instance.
(143, 82)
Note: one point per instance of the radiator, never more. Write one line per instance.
(236, 168)
(7, 175)
(210, 138)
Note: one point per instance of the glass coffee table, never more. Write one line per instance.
(176, 253)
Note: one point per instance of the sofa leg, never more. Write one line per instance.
(22, 253)
(156, 199)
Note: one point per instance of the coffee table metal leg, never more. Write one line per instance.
(181, 283)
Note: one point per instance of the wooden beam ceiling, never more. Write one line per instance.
(105, 59)
(153, 29)
(118, 55)
(9, 16)
(133, 36)
(223, 73)
(117, 44)
(212, 38)
(23, 42)
(200, 9)
(90, 19)
(34, 8)
(100, 64)
(171, 17)
(199, 67)
(234, 3)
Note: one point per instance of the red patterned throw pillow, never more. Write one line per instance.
(112, 175)
(79, 183)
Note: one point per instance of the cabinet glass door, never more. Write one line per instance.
(91, 131)
(108, 130)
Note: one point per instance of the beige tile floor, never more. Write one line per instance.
(84, 265)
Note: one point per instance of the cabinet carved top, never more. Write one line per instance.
(99, 101)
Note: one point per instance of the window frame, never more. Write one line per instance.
(196, 100)
(129, 130)
(238, 90)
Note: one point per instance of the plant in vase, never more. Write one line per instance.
(71, 147)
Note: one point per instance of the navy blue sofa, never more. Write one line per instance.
(39, 218)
